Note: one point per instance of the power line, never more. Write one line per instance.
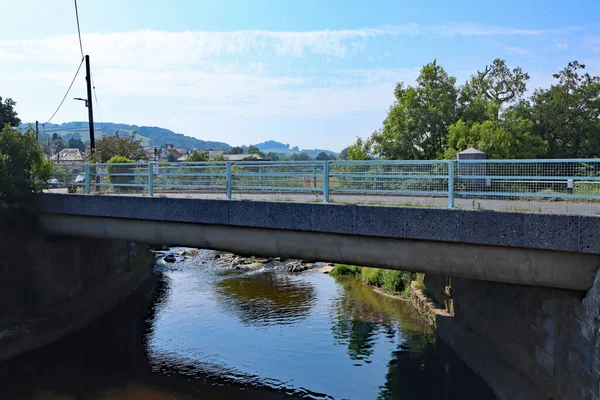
(78, 30)
(67, 93)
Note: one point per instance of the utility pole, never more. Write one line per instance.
(88, 103)
(37, 132)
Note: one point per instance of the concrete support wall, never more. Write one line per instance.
(551, 336)
(50, 287)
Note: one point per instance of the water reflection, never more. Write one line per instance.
(213, 336)
(268, 298)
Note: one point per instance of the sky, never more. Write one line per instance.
(314, 74)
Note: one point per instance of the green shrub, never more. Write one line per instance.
(23, 168)
(396, 281)
(372, 276)
(345, 270)
(115, 171)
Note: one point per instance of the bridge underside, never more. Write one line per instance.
(527, 266)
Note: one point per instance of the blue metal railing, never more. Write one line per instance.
(349, 181)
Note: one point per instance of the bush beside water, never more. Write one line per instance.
(392, 281)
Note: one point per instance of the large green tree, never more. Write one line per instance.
(8, 115)
(417, 123)
(23, 167)
(567, 115)
(493, 117)
(108, 147)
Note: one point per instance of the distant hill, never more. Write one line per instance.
(153, 136)
(150, 135)
(272, 146)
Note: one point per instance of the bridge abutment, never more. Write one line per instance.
(550, 336)
(52, 286)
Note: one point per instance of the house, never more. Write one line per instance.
(165, 152)
(242, 157)
(183, 151)
(69, 156)
(215, 153)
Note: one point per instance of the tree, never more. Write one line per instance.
(500, 85)
(567, 115)
(109, 146)
(302, 156)
(486, 122)
(417, 123)
(509, 138)
(322, 156)
(344, 154)
(8, 115)
(23, 167)
(220, 157)
(75, 143)
(198, 156)
(236, 150)
(253, 150)
(272, 156)
(359, 150)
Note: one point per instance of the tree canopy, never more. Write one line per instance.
(108, 147)
(8, 114)
(23, 167)
(198, 156)
(435, 118)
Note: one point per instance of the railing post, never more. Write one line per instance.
(260, 175)
(326, 182)
(87, 178)
(150, 179)
(451, 184)
(228, 182)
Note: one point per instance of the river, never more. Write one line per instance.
(205, 331)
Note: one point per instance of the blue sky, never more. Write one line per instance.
(308, 73)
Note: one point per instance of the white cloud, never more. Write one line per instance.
(219, 76)
(517, 50)
(591, 43)
(562, 44)
(10, 56)
(157, 49)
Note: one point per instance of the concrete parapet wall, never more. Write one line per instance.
(540, 231)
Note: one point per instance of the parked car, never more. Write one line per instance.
(53, 181)
(80, 178)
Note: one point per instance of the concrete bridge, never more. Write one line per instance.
(556, 251)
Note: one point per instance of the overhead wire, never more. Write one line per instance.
(78, 30)
(67, 93)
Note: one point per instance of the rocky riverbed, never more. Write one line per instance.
(174, 259)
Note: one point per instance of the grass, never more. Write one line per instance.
(391, 281)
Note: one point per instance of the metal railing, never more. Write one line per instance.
(566, 186)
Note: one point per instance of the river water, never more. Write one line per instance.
(208, 332)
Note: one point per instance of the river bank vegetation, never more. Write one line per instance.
(392, 281)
